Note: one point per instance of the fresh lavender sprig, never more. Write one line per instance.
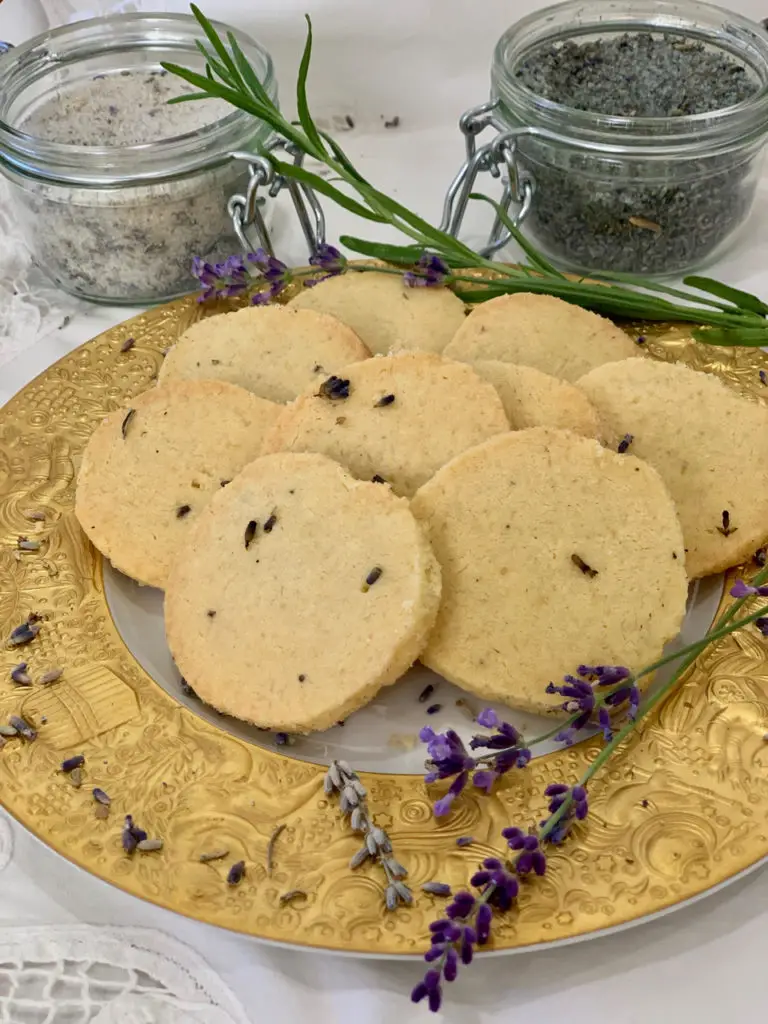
(241, 275)
(468, 919)
(340, 779)
(729, 316)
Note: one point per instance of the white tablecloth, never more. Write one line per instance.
(424, 60)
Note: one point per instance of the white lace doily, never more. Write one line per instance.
(30, 306)
(76, 974)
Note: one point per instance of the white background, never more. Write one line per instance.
(425, 61)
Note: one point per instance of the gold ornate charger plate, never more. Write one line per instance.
(682, 809)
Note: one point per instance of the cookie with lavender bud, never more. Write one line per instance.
(148, 471)
(386, 313)
(399, 417)
(535, 399)
(708, 443)
(273, 351)
(554, 551)
(542, 331)
(299, 593)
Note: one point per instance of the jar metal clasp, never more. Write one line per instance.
(246, 211)
(498, 158)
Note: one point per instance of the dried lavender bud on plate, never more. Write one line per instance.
(236, 873)
(273, 351)
(22, 727)
(20, 675)
(504, 520)
(184, 438)
(323, 646)
(442, 408)
(707, 442)
(24, 634)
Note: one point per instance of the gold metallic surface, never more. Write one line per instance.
(682, 808)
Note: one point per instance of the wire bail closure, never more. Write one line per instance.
(246, 211)
(498, 158)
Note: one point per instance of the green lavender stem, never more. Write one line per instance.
(698, 646)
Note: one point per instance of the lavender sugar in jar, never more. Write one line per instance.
(641, 128)
(115, 189)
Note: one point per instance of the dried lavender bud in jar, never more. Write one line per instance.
(649, 216)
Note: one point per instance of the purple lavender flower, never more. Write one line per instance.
(505, 885)
(509, 744)
(582, 692)
(429, 272)
(529, 854)
(453, 938)
(221, 280)
(448, 758)
(762, 625)
(577, 807)
(506, 737)
(581, 698)
(273, 271)
(485, 779)
(443, 806)
(328, 259)
(468, 919)
(741, 589)
(233, 277)
(604, 718)
(488, 718)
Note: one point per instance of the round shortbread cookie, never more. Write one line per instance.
(553, 336)
(299, 594)
(273, 351)
(396, 417)
(148, 471)
(708, 443)
(534, 399)
(554, 552)
(386, 313)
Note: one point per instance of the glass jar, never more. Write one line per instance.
(116, 190)
(643, 195)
